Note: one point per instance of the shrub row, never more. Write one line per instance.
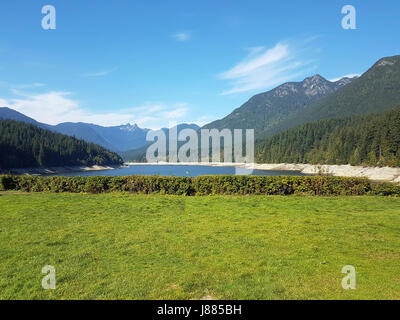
(204, 185)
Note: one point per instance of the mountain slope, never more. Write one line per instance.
(294, 104)
(25, 145)
(372, 140)
(83, 131)
(7, 113)
(267, 110)
(139, 154)
(118, 139)
(376, 90)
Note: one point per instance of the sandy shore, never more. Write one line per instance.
(386, 174)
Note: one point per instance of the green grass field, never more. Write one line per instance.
(121, 246)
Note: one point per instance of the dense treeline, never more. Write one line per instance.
(24, 145)
(201, 186)
(371, 140)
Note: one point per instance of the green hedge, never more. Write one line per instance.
(204, 185)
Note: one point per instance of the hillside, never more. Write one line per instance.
(10, 114)
(25, 145)
(267, 110)
(371, 140)
(376, 90)
(117, 138)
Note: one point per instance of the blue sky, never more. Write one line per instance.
(156, 62)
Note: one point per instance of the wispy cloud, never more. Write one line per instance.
(182, 36)
(157, 115)
(55, 107)
(99, 73)
(352, 75)
(265, 67)
(51, 107)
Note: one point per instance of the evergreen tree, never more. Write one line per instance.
(24, 145)
(371, 140)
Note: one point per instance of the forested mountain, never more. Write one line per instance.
(295, 104)
(371, 140)
(288, 106)
(125, 139)
(25, 145)
(376, 90)
(83, 131)
(267, 110)
(117, 138)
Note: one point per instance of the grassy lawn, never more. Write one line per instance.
(120, 246)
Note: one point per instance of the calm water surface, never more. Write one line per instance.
(180, 171)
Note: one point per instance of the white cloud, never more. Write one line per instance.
(266, 67)
(99, 73)
(158, 115)
(182, 36)
(49, 107)
(178, 113)
(352, 75)
(55, 107)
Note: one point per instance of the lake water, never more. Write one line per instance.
(180, 171)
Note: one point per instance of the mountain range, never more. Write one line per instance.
(293, 104)
(118, 138)
(265, 111)
(377, 90)
(290, 105)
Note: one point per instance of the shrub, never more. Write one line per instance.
(385, 189)
(204, 185)
(158, 184)
(8, 182)
(98, 184)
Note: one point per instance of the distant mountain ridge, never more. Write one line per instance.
(267, 110)
(10, 114)
(118, 138)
